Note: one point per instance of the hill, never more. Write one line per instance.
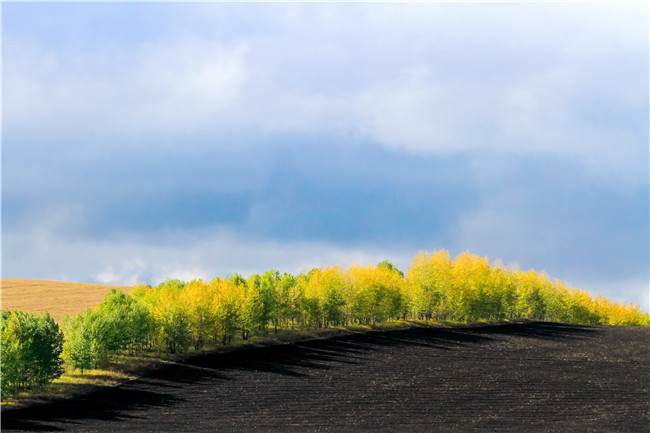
(56, 297)
(541, 377)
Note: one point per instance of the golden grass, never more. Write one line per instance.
(56, 297)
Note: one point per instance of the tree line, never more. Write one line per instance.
(175, 316)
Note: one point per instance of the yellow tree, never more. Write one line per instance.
(377, 293)
(227, 308)
(531, 288)
(502, 292)
(198, 299)
(326, 290)
(558, 303)
(171, 319)
(471, 278)
(427, 283)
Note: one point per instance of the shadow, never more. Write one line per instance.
(296, 359)
(154, 389)
(539, 330)
(106, 405)
(165, 386)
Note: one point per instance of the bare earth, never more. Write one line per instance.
(533, 377)
(56, 297)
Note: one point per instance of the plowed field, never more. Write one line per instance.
(519, 377)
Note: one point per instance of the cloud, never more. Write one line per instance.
(125, 260)
(409, 113)
(161, 87)
(418, 83)
(146, 139)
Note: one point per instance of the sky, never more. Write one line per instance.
(145, 141)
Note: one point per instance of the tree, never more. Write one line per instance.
(391, 267)
(31, 349)
(80, 349)
(252, 311)
(270, 297)
(531, 299)
(228, 305)
(378, 294)
(237, 280)
(199, 299)
(284, 288)
(123, 323)
(295, 301)
(428, 285)
(171, 319)
(176, 331)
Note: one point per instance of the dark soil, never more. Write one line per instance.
(529, 377)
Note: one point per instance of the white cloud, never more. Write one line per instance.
(410, 113)
(126, 273)
(45, 254)
(184, 86)
(421, 83)
(175, 86)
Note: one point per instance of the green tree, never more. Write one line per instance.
(31, 349)
(333, 306)
(124, 323)
(391, 267)
(176, 332)
(270, 297)
(80, 350)
(252, 312)
(283, 293)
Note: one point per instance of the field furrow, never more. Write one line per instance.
(519, 377)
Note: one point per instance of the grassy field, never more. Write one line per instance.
(56, 297)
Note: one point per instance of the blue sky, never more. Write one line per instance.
(151, 140)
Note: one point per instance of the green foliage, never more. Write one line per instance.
(124, 323)
(252, 311)
(176, 331)
(237, 280)
(31, 349)
(270, 299)
(120, 324)
(333, 306)
(81, 349)
(391, 267)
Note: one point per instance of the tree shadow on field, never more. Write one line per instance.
(108, 405)
(297, 359)
(166, 385)
(539, 330)
(119, 403)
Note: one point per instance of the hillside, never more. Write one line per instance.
(541, 377)
(56, 297)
